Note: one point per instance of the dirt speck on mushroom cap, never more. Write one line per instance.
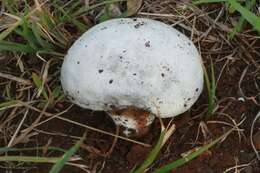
(148, 51)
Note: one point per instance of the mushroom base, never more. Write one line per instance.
(135, 122)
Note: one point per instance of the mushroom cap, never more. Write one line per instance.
(133, 62)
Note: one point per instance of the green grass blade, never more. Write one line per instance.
(86, 9)
(7, 149)
(81, 26)
(66, 15)
(33, 159)
(208, 85)
(212, 91)
(6, 32)
(133, 169)
(37, 33)
(207, 1)
(211, 88)
(38, 82)
(248, 15)
(153, 154)
(191, 156)
(62, 161)
(15, 47)
(57, 91)
(28, 35)
(8, 103)
(49, 23)
(66, 12)
(242, 21)
(10, 6)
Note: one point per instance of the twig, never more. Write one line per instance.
(18, 128)
(251, 135)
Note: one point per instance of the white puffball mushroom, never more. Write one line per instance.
(133, 62)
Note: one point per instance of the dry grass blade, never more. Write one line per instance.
(10, 144)
(15, 78)
(6, 32)
(251, 135)
(252, 98)
(133, 6)
(26, 133)
(104, 132)
(36, 123)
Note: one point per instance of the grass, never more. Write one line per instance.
(242, 21)
(34, 37)
(211, 88)
(164, 136)
(65, 158)
(192, 155)
(245, 12)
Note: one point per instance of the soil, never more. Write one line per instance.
(96, 151)
(125, 155)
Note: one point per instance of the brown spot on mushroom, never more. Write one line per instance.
(110, 81)
(185, 105)
(134, 19)
(124, 51)
(78, 62)
(100, 70)
(134, 74)
(139, 24)
(188, 99)
(147, 44)
(162, 74)
(103, 28)
(197, 89)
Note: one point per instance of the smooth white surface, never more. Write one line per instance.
(133, 62)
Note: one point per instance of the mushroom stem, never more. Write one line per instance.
(135, 122)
